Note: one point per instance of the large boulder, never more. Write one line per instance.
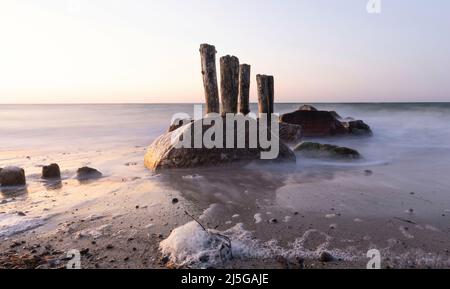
(290, 133)
(167, 151)
(51, 172)
(317, 150)
(12, 176)
(177, 123)
(317, 123)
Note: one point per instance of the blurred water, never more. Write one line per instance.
(401, 125)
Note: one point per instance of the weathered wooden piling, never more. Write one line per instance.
(244, 89)
(208, 59)
(271, 93)
(265, 86)
(229, 83)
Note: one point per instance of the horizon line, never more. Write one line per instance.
(175, 103)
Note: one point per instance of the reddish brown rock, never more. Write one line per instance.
(317, 123)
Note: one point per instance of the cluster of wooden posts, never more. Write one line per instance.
(234, 85)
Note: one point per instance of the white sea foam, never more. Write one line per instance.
(12, 224)
(258, 218)
(192, 246)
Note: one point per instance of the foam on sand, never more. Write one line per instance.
(193, 246)
(12, 224)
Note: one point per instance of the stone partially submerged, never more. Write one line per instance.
(358, 127)
(51, 171)
(87, 173)
(307, 107)
(317, 150)
(290, 133)
(170, 150)
(317, 123)
(12, 176)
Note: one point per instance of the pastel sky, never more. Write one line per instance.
(77, 51)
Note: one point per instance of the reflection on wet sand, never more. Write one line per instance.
(226, 191)
(53, 185)
(12, 192)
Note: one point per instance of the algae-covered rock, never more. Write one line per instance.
(317, 150)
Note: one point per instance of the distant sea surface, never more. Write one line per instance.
(424, 125)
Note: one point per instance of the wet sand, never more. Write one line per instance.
(276, 217)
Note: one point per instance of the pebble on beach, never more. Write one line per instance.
(326, 257)
(368, 172)
(12, 176)
(87, 173)
(51, 172)
(273, 221)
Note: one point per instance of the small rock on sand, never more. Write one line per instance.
(326, 257)
(12, 176)
(87, 173)
(368, 172)
(258, 218)
(51, 172)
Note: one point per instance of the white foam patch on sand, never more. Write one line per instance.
(93, 232)
(416, 258)
(192, 177)
(432, 228)
(192, 246)
(258, 218)
(13, 224)
(405, 233)
(213, 211)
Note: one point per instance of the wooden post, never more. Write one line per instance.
(229, 83)
(262, 83)
(208, 59)
(244, 89)
(271, 93)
